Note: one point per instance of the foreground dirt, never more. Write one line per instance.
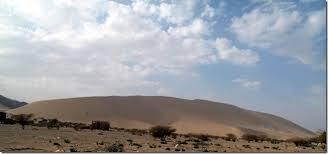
(40, 139)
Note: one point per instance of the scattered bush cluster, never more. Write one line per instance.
(23, 119)
(255, 138)
(309, 142)
(202, 137)
(101, 125)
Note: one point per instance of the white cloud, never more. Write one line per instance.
(97, 47)
(208, 12)
(228, 52)
(281, 29)
(247, 83)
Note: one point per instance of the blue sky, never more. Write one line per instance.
(267, 56)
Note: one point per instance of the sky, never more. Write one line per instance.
(268, 56)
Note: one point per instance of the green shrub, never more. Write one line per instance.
(161, 131)
(100, 125)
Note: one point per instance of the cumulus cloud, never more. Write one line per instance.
(247, 83)
(228, 52)
(282, 29)
(98, 47)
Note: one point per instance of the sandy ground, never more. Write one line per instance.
(40, 139)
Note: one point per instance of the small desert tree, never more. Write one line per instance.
(161, 131)
(23, 119)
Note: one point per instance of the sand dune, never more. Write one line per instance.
(197, 116)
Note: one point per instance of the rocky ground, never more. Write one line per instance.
(41, 139)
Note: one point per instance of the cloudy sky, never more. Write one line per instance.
(267, 56)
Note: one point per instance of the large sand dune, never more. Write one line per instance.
(197, 116)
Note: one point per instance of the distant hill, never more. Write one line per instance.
(187, 116)
(7, 103)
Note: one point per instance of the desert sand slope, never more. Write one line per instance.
(197, 116)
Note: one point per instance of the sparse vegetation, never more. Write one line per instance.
(72, 150)
(231, 137)
(115, 148)
(300, 142)
(23, 119)
(202, 137)
(67, 141)
(250, 137)
(161, 131)
(100, 125)
(57, 144)
(53, 123)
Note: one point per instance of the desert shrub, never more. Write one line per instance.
(72, 150)
(247, 146)
(115, 148)
(23, 119)
(196, 146)
(263, 138)
(274, 141)
(9, 121)
(129, 140)
(323, 137)
(101, 125)
(53, 123)
(161, 131)
(42, 123)
(67, 141)
(202, 137)
(300, 142)
(57, 144)
(174, 135)
(100, 143)
(137, 145)
(182, 142)
(152, 146)
(320, 139)
(250, 137)
(275, 148)
(79, 126)
(231, 137)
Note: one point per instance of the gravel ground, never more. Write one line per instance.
(40, 139)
